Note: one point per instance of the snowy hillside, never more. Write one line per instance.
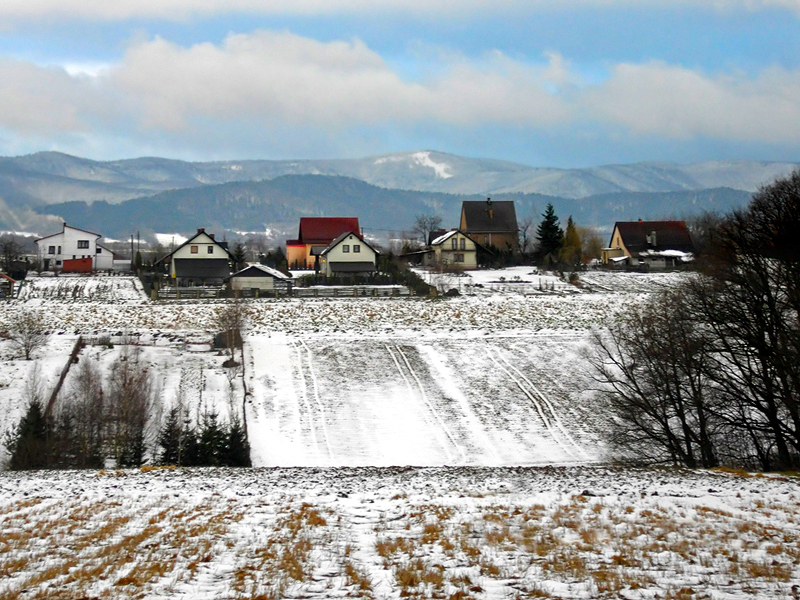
(494, 378)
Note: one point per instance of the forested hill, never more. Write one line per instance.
(277, 205)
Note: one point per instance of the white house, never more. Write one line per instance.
(454, 249)
(71, 249)
(258, 277)
(348, 254)
(200, 260)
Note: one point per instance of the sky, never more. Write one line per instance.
(543, 83)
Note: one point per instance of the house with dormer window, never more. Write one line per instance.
(649, 245)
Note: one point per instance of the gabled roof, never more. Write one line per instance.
(260, 271)
(669, 235)
(321, 230)
(489, 216)
(341, 237)
(200, 231)
(64, 228)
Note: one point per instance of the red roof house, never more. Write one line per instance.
(315, 234)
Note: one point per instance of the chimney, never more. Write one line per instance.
(489, 208)
(201, 230)
(211, 235)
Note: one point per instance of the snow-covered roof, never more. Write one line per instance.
(443, 238)
(264, 269)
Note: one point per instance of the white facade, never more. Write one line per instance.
(70, 244)
(348, 253)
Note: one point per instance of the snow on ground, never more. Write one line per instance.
(492, 380)
(460, 532)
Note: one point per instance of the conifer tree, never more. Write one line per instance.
(29, 445)
(549, 236)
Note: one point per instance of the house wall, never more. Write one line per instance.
(299, 256)
(70, 244)
(249, 283)
(501, 241)
(616, 247)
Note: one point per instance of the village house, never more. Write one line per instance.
(491, 224)
(74, 250)
(316, 234)
(348, 254)
(452, 249)
(649, 245)
(199, 261)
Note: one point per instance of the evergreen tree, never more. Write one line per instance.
(169, 438)
(549, 236)
(237, 448)
(212, 440)
(239, 257)
(29, 444)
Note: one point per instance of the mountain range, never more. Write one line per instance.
(385, 192)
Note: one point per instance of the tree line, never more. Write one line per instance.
(115, 420)
(708, 373)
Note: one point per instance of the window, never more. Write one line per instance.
(454, 244)
(59, 250)
(346, 248)
(58, 263)
(98, 250)
(356, 247)
(463, 244)
(459, 258)
(83, 244)
(193, 249)
(51, 249)
(211, 249)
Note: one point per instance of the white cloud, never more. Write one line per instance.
(280, 90)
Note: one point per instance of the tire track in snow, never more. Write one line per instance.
(443, 427)
(317, 399)
(304, 395)
(556, 419)
(554, 433)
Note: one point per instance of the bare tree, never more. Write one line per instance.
(231, 320)
(130, 401)
(425, 224)
(28, 333)
(526, 235)
(653, 365)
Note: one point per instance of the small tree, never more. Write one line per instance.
(549, 237)
(571, 250)
(28, 334)
(232, 320)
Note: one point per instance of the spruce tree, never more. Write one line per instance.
(237, 448)
(29, 444)
(549, 236)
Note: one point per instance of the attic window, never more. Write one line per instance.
(345, 248)
(211, 249)
(454, 243)
(193, 249)
(463, 244)
(356, 247)
(83, 244)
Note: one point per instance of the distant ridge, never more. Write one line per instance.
(418, 181)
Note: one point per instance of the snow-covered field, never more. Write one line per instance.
(459, 532)
(490, 393)
(489, 380)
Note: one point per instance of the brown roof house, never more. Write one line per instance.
(649, 245)
(491, 223)
(315, 234)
